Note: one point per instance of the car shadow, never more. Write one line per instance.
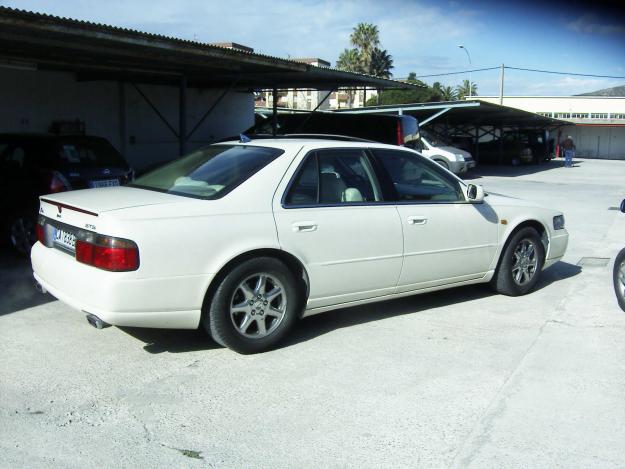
(503, 170)
(172, 340)
(17, 285)
(180, 341)
(317, 325)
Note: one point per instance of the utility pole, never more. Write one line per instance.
(501, 86)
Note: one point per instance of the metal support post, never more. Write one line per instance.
(274, 117)
(182, 119)
(501, 86)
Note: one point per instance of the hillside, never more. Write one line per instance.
(616, 91)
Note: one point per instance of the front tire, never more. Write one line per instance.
(618, 278)
(520, 264)
(254, 306)
(443, 163)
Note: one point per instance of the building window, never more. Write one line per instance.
(563, 115)
(618, 116)
(579, 115)
(599, 115)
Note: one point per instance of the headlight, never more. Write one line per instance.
(558, 222)
(459, 157)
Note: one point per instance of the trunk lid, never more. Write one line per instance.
(105, 199)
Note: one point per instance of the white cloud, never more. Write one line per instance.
(591, 24)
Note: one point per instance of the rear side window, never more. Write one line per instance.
(330, 177)
(418, 180)
(209, 173)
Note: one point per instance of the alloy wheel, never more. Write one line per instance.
(621, 281)
(258, 306)
(524, 262)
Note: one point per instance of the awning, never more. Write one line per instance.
(93, 51)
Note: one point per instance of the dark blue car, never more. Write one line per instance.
(36, 164)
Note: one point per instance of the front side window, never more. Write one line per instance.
(416, 179)
(210, 172)
(330, 177)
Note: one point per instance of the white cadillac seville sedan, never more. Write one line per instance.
(245, 238)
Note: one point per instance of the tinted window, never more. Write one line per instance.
(335, 177)
(418, 179)
(379, 128)
(209, 173)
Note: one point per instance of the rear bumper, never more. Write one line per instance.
(120, 298)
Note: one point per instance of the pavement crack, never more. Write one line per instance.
(489, 413)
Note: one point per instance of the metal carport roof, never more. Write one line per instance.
(464, 113)
(103, 52)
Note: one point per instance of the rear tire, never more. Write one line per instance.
(618, 278)
(520, 264)
(254, 306)
(21, 233)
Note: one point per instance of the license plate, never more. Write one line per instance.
(104, 183)
(64, 239)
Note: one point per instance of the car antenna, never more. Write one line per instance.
(244, 138)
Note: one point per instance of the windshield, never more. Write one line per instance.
(88, 152)
(209, 173)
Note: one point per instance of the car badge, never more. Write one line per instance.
(106, 171)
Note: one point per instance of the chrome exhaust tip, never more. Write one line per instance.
(96, 321)
(40, 288)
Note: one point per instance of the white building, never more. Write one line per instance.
(301, 99)
(597, 122)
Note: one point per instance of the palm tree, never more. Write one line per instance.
(365, 38)
(349, 60)
(448, 93)
(381, 64)
(463, 90)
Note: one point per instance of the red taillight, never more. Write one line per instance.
(108, 253)
(55, 182)
(400, 133)
(39, 231)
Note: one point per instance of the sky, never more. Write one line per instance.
(421, 36)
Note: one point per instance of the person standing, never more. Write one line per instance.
(569, 151)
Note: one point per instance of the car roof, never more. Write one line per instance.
(312, 143)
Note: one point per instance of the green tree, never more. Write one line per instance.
(463, 89)
(381, 64)
(365, 38)
(349, 60)
(420, 95)
(448, 93)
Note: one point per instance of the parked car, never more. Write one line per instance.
(384, 128)
(245, 238)
(517, 147)
(454, 159)
(31, 165)
(618, 273)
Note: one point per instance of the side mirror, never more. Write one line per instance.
(623, 206)
(475, 194)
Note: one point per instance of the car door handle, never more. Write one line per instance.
(417, 220)
(304, 226)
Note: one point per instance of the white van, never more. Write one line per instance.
(454, 159)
